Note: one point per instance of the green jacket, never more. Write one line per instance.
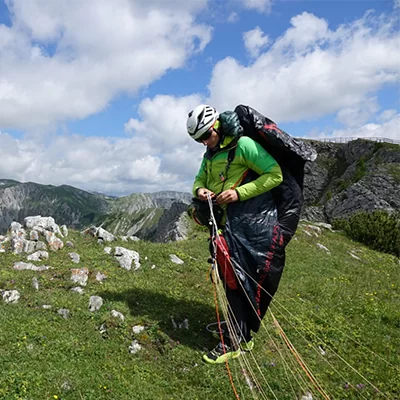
(248, 155)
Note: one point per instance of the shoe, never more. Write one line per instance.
(247, 346)
(220, 354)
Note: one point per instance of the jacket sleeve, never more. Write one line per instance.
(201, 178)
(255, 157)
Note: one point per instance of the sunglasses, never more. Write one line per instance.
(206, 135)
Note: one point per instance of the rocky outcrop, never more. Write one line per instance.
(137, 214)
(70, 206)
(350, 177)
(172, 226)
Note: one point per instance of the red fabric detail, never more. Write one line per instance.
(268, 261)
(224, 263)
(272, 127)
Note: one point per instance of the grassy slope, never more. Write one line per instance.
(323, 298)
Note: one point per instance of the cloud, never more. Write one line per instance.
(311, 71)
(53, 70)
(254, 41)
(234, 17)
(358, 114)
(389, 129)
(261, 6)
(157, 154)
(162, 120)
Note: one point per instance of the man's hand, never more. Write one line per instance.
(203, 192)
(227, 196)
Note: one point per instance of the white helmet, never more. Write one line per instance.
(200, 120)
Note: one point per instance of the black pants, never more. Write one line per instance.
(241, 312)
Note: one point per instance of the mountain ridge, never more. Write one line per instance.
(359, 175)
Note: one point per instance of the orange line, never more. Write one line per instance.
(299, 360)
(222, 340)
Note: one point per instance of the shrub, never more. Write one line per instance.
(361, 169)
(379, 230)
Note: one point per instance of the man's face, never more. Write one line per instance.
(212, 141)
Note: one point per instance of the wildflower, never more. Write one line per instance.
(360, 386)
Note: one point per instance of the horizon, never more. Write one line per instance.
(95, 95)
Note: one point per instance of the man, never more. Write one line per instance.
(239, 174)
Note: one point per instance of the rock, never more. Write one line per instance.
(17, 245)
(11, 296)
(107, 250)
(105, 235)
(175, 259)
(64, 230)
(54, 242)
(316, 229)
(46, 306)
(134, 238)
(77, 289)
(321, 246)
(100, 276)
(20, 266)
(66, 386)
(103, 329)
(74, 257)
(323, 225)
(47, 223)
(64, 312)
(354, 256)
(34, 235)
(134, 347)
(117, 314)
(137, 329)
(3, 241)
(30, 246)
(69, 244)
(314, 213)
(95, 303)
(40, 245)
(39, 255)
(15, 226)
(125, 258)
(80, 275)
(35, 283)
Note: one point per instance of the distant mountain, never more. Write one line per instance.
(137, 214)
(345, 178)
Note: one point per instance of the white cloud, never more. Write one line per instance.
(234, 17)
(358, 114)
(98, 50)
(158, 154)
(261, 6)
(387, 129)
(311, 71)
(254, 41)
(163, 120)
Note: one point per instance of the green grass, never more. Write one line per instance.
(348, 306)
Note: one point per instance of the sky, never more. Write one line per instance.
(95, 94)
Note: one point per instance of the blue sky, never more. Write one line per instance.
(95, 94)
